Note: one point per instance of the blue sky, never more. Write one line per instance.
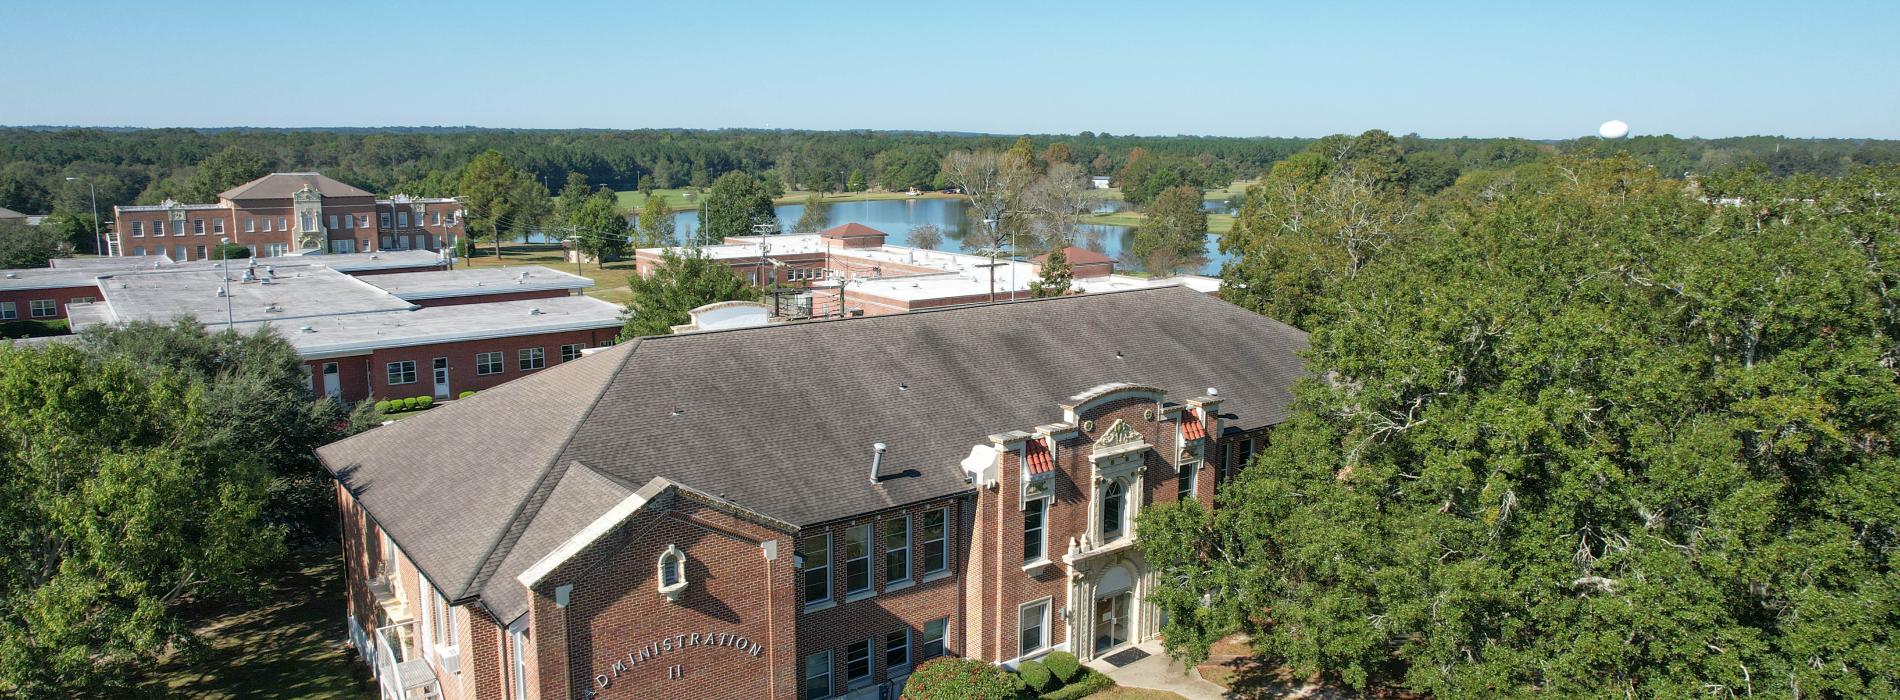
(1447, 68)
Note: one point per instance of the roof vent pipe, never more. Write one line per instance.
(877, 459)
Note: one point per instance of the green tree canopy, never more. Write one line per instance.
(233, 166)
(23, 246)
(1173, 236)
(683, 281)
(813, 217)
(656, 222)
(1598, 438)
(144, 467)
(1055, 276)
(599, 229)
(736, 203)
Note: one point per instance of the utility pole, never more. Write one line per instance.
(224, 263)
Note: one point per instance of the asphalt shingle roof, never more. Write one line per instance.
(781, 419)
(283, 185)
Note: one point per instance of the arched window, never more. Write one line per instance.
(1114, 507)
(672, 573)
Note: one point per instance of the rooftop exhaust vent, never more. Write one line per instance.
(536, 311)
(877, 459)
(13, 275)
(221, 292)
(306, 329)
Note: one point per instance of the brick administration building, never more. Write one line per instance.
(286, 213)
(802, 510)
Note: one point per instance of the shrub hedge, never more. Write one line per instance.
(1035, 677)
(1063, 666)
(1087, 682)
(413, 403)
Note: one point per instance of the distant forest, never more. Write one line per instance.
(44, 170)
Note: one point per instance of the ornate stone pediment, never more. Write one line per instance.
(1117, 435)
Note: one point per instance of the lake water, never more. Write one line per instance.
(895, 217)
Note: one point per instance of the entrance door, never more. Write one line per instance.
(332, 382)
(441, 377)
(1112, 618)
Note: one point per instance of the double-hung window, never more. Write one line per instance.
(402, 219)
(349, 223)
(932, 644)
(818, 675)
(158, 227)
(198, 226)
(936, 550)
(43, 308)
(857, 560)
(532, 358)
(1035, 530)
(283, 223)
(570, 353)
(817, 584)
(403, 372)
(138, 229)
(1184, 489)
(857, 664)
(488, 363)
(896, 551)
(383, 220)
(217, 226)
(362, 221)
(1032, 626)
(267, 224)
(9, 311)
(250, 225)
(897, 652)
(333, 222)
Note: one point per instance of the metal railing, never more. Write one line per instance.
(399, 671)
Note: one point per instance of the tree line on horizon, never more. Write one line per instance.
(149, 165)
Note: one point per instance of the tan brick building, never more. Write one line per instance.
(800, 510)
(287, 213)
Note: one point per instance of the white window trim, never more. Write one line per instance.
(924, 546)
(389, 374)
(830, 674)
(870, 665)
(676, 559)
(518, 649)
(1048, 604)
(870, 549)
(923, 640)
(501, 363)
(9, 310)
(903, 668)
(895, 583)
(1042, 557)
(828, 600)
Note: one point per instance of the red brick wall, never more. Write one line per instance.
(615, 609)
(61, 296)
(1003, 585)
(888, 610)
(366, 376)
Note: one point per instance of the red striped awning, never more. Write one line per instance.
(1036, 455)
(1191, 428)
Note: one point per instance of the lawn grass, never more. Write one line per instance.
(287, 642)
(1121, 693)
(679, 199)
(1216, 223)
(610, 281)
(34, 328)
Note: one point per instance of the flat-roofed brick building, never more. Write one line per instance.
(801, 510)
(286, 213)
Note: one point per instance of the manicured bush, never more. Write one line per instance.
(425, 401)
(409, 404)
(948, 678)
(1035, 677)
(382, 407)
(465, 394)
(1087, 683)
(1063, 666)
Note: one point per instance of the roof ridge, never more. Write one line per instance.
(525, 513)
(923, 312)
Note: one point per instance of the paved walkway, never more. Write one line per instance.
(1160, 672)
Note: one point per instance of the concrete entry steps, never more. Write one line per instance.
(1158, 671)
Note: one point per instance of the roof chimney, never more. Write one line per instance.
(877, 459)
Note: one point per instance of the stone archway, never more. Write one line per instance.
(1107, 607)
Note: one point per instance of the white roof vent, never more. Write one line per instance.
(221, 292)
(306, 329)
(536, 311)
(13, 275)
